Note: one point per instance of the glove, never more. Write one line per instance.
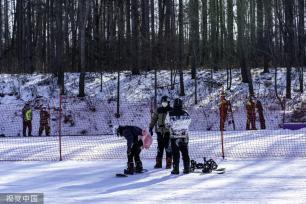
(140, 143)
(129, 151)
(151, 131)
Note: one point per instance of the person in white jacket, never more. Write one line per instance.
(178, 120)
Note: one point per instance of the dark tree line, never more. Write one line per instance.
(139, 35)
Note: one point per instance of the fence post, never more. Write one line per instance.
(222, 144)
(284, 113)
(222, 128)
(60, 128)
(117, 115)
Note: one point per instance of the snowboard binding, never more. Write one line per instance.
(206, 167)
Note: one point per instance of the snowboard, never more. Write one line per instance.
(216, 171)
(126, 175)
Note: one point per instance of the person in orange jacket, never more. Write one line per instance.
(223, 109)
(260, 114)
(251, 114)
(44, 121)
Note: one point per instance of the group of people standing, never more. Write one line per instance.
(27, 116)
(251, 105)
(171, 126)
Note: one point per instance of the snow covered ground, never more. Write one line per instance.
(75, 182)
(261, 167)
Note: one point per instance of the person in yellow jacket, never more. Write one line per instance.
(27, 116)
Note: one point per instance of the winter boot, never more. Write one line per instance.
(186, 168)
(130, 168)
(175, 169)
(169, 163)
(158, 164)
(138, 168)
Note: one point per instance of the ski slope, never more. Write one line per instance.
(261, 167)
(79, 182)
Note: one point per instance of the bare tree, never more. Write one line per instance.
(301, 36)
(82, 27)
(181, 48)
(289, 41)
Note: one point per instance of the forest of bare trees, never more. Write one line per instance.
(52, 36)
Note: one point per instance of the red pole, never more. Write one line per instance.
(222, 144)
(60, 128)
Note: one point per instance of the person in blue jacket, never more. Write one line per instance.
(134, 144)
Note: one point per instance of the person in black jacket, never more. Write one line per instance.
(134, 144)
(179, 121)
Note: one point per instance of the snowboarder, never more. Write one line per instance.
(260, 114)
(44, 121)
(251, 114)
(163, 133)
(27, 119)
(136, 139)
(178, 120)
(223, 108)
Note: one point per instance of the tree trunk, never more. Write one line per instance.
(181, 47)
(289, 41)
(128, 33)
(253, 34)
(301, 34)
(267, 35)
(135, 38)
(213, 4)
(260, 29)
(152, 50)
(117, 115)
(145, 35)
(82, 23)
(1, 35)
(230, 33)
(20, 35)
(59, 45)
(241, 22)
(204, 33)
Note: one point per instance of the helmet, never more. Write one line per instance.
(178, 103)
(116, 130)
(222, 94)
(165, 101)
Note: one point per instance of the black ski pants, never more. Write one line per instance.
(133, 153)
(163, 143)
(180, 145)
